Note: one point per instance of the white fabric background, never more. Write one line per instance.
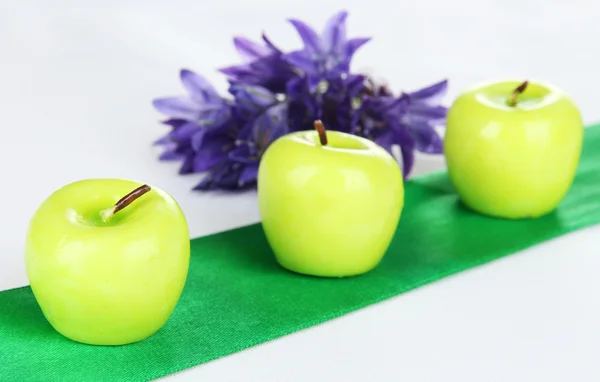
(76, 80)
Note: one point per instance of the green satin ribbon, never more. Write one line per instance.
(237, 297)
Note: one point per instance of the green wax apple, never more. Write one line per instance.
(106, 264)
(512, 149)
(330, 202)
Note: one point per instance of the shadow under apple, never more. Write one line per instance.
(441, 232)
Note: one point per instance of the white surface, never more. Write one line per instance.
(75, 88)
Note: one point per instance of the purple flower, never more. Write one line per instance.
(252, 98)
(407, 121)
(273, 92)
(175, 146)
(178, 143)
(423, 114)
(238, 165)
(250, 51)
(264, 65)
(203, 105)
(332, 102)
(191, 117)
(193, 144)
(327, 55)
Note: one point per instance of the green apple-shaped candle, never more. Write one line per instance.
(330, 202)
(513, 148)
(106, 264)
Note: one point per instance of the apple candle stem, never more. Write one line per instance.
(322, 132)
(512, 101)
(126, 200)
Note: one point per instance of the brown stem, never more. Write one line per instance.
(322, 132)
(124, 202)
(512, 101)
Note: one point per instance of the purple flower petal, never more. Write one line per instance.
(334, 33)
(343, 119)
(313, 83)
(354, 124)
(175, 122)
(205, 184)
(407, 147)
(184, 132)
(229, 180)
(328, 56)
(252, 98)
(302, 61)
(162, 141)
(296, 88)
(177, 107)
(426, 139)
(204, 161)
(170, 154)
(200, 89)
(246, 131)
(249, 174)
(224, 176)
(423, 111)
(198, 139)
(392, 106)
(428, 111)
(215, 175)
(355, 84)
(243, 154)
(270, 125)
(309, 37)
(386, 140)
(396, 134)
(432, 94)
(214, 116)
(249, 50)
(267, 41)
(272, 66)
(354, 44)
(397, 106)
(236, 71)
(408, 160)
(187, 167)
(271, 72)
(214, 149)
